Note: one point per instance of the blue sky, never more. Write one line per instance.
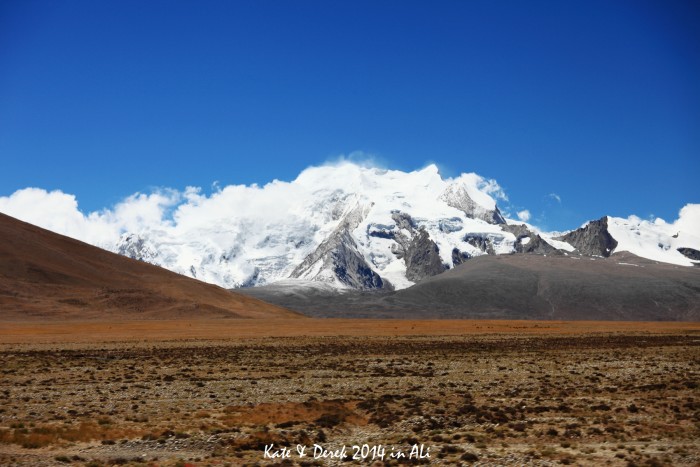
(597, 102)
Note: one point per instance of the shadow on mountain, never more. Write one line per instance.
(518, 286)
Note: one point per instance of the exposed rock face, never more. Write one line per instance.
(419, 252)
(458, 257)
(528, 241)
(403, 221)
(136, 247)
(338, 258)
(690, 253)
(422, 258)
(351, 268)
(592, 239)
(518, 230)
(481, 242)
(456, 195)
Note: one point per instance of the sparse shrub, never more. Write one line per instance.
(329, 420)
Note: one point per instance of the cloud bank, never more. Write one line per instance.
(58, 211)
(190, 210)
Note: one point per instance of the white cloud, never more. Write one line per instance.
(524, 215)
(689, 219)
(358, 158)
(555, 197)
(491, 187)
(58, 211)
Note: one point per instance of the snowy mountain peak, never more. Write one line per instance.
(344, 225)
(675, 243)
(472, 202)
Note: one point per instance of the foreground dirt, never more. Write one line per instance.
(96, 332)
(508, 395)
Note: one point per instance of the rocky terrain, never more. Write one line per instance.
(538, 395)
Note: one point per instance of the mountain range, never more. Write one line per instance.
(363, 228)
(354, 241)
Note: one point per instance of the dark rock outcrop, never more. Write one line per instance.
(339, 254)
(497, 217)
(456, 196)
(420, 253)
(351, 268)
(458, 257)
(403, 220)
(422, 258)
(593, 239)
(481, 242)
(690, 253)
(527, 241)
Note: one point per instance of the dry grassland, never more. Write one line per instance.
(471, 392)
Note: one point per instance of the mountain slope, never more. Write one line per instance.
(519, 286)
(47, 276)
(351, 226)
(366, 228)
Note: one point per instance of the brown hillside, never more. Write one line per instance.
(46, 276)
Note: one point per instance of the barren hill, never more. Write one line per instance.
(46, 276)
(519, 286)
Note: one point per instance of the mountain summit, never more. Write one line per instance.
(368, 228)
(344, 225)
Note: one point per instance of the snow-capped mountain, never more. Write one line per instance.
(347, 225)
(366, 228)
(342, 225)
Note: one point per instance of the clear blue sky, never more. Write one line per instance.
(596, 101)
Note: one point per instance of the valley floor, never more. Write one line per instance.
(461, 392)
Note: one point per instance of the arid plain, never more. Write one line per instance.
(218, 392)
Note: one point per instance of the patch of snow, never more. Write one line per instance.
(558, 244)
(658, 240)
